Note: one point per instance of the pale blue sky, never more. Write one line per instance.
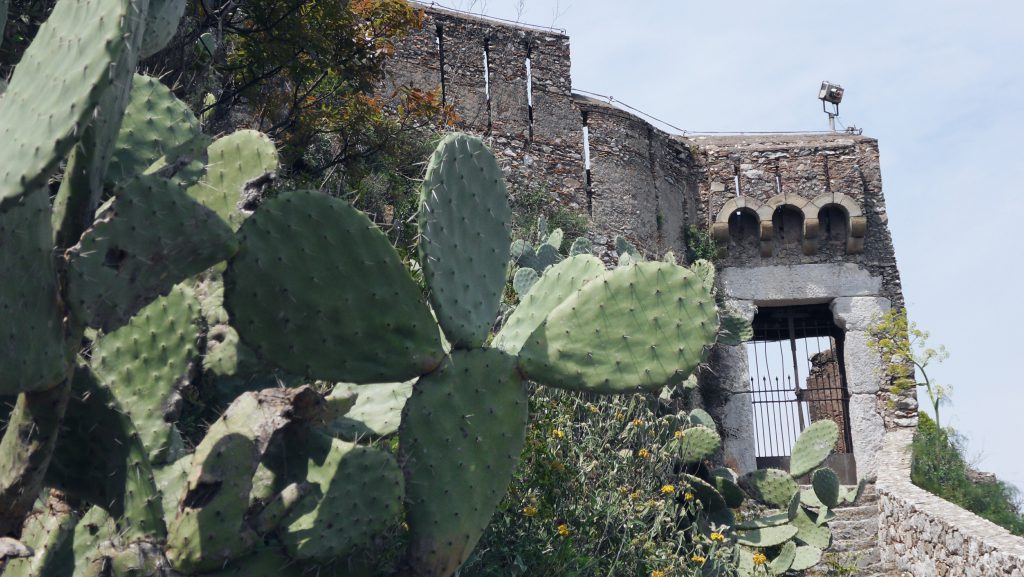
(937, 83)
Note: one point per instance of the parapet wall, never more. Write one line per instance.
(931, 537)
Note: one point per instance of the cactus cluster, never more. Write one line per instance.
(162, 272)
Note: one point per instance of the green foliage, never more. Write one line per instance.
(940, 467)
(529, 204)
(700, 245)
(904, 349)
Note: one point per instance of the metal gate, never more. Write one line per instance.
(797, 377)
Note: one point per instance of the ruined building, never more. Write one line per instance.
(806, 255)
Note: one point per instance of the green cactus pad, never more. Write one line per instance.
(555, 239)
(784, 560)
(136, 251)
(239, 162)
(807, 497)
(557, 284)
(581, 245)
(95, 527)
(706, 271)
(100, 459)
(809, 532)
(766, 536)
(805, 557)
(32, 349)
(736, 329)
(770, 486)
(696, 444)
(462, 432)
(156, 125)
(714, 504)
(161, 24)
(623, 246)
(632, 329)
(210, 528)
(171, 480)
(524, 280)
(701, 417)
(813, 447)
(144, 363)
(359, 497)
(265, 561)
(826, 487)
(523, 254)
(724, 481)
(376, 414)
(50, 535)
(319, 291)
(547, 256)
(767, 520)
(55, 90)
(825, 515)
(464, 225)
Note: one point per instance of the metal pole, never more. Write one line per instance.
(796, 369)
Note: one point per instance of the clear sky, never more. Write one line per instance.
(938, 83)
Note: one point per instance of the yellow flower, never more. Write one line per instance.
(637, 422)
(563, 530)
(619, 416)
(557, 465)
(643, 453)
(698, 559)
(688, 496)
(760, 559)
(592, 408)
(529, 510)
(716, 536)
(657, 573)
(680, 434)
(668, 489)
(558, 434)
(623, 490)
(635, 495)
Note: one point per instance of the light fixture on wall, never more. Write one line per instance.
(830, 94)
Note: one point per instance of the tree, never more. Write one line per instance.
(904, 350)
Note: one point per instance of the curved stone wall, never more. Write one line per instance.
(931, 537)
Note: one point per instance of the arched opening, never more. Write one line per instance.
(744, 228)
(833, 224)
(788, 224)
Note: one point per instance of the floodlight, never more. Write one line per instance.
(832, 93)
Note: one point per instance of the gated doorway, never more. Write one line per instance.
(797, 377)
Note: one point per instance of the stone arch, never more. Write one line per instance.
(810, 217)
(720, 228)
(856, 222)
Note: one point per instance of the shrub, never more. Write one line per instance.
(939, 467)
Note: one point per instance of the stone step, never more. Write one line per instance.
(843, 530)
(856, 512)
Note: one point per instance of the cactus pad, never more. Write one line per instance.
(547, 256)
(705, 270)
(784, 560)
(581, 245)
(32, 350)
(359, 497)
(770, 486)
(766, 536)
(144, 362)
(812, 447)
(736, 329)
(136, 251)
(557, 284)
(826, 487)
(809, 532)
(161, 24)
(701, 417)
(555, 239)
(49, 533)
(524, 280)
(464, 224)
(523, 254)
(155, 124)
(634, 328)
(238, 163)
(377, 412)
(55, 89)
(319, 291)
(714, 505)
(457, 468)
(805, 557)
(210, 528)
(695, 444)
(724, 481)
(767, 520)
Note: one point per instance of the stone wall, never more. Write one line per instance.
(931, 537)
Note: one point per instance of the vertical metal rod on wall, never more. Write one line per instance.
(796, 370)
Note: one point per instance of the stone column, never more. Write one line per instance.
(864, 377)
(730, 375)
